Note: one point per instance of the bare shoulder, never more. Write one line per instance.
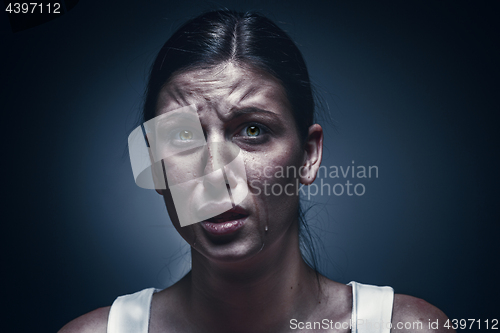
(95, 321)
(411, 314)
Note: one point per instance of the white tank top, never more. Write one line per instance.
(371, 310)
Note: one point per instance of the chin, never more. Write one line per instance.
(229, 250)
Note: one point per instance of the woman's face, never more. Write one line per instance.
(242, 113)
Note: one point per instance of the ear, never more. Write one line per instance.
(313, 155)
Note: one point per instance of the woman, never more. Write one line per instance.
(231, 140)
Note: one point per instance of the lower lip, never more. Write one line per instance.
(223, 228)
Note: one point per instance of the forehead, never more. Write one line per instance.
(223, 88)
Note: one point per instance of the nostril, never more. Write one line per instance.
(228, 187)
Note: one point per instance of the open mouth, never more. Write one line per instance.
(226, 217)
(225, 223)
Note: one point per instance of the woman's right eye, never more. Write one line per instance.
(185, 135)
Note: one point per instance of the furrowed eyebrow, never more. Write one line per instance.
(236, 113)
(168, 118)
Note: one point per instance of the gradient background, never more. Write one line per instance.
(412, 88)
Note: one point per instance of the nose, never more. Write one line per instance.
(218, 155)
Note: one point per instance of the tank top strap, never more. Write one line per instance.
(371, 308)
(130, 313)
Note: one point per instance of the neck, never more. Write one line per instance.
(260, 294)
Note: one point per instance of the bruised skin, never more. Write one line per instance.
(228, 98)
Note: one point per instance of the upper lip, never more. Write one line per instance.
(212, 208)
(236, 212)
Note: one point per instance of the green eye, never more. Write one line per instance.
(186, 135)
(253, 131)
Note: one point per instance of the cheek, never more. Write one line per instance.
(181, 168)
(276, 166)
(273, 182)
(186, 232)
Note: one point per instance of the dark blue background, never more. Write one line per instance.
(412, 88)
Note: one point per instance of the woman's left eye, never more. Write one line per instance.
(252, 131)
(253, 134)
